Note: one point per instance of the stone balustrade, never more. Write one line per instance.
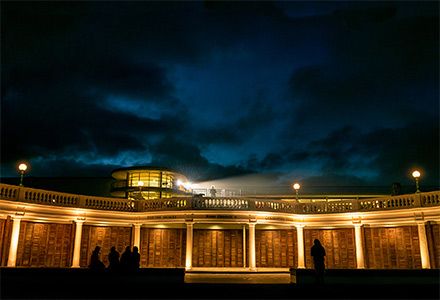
(166, 204)
(9, 192)
(274, 205)
(29, 195)
(325, 207)
(108, 203)
(221, 203)
(430, 199)
(46, 197)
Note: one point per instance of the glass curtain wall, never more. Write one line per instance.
(155, 179)
(149, 179)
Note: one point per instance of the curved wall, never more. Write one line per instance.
(49, 229)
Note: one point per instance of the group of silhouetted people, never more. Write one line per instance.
(130, 260)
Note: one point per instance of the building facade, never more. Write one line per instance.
(147, 183)
(41, 228)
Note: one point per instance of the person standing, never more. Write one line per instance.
(318, 253)
(126, 259)
(113, 258)
(95, 260)
(136, 258)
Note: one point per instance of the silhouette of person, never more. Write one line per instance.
(113, 258)
(318, 253)
(136, 258)
(95, 261)
(126, 259)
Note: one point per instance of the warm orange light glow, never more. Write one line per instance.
(22, 167)
(416, 174)
(296, 186)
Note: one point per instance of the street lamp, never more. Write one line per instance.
(22, 168)
(296, 186)
(416, 175)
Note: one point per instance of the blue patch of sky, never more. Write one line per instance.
(140, 107)
(123, 159)
(220, 90)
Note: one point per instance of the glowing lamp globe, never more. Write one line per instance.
(140, 183)
(416, 174)
(22, 167)
(296, 186)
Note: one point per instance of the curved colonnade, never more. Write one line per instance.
(49, 229)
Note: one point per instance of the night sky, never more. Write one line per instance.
(324, 93)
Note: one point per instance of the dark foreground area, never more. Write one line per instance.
(47, 283)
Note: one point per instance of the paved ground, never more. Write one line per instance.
(19, 283)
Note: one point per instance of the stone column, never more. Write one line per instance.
(360, 260)
(244, 246)
(252, 261)
(424, 250)
(14, 241)
(137, 236)
(189, 245)
(77, 244)
(300, 242)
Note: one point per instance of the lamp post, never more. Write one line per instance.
(416, 175)
(296, 186)
(22, 168)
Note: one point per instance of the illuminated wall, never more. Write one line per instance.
(5, 238)
(434, 244)
(44, 245)
(163, 248)
(218, 248)
(48, 229)
(392, 248)
(50, 245)
(104, 237)
(276, 248)
(339, 245)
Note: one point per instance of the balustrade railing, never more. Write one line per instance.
(325, 207)
(23, 194)
(274, 205)
(9, 192)
(431, 199)
(166, 204)
(46, 197)
(221, 203)
(109, 203)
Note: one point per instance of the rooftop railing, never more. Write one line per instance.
(30, 195)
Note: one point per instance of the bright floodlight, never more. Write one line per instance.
(296, 186)
(22, 167)
(179, 182)
(188, 185)
(416, 174)
(140, 183)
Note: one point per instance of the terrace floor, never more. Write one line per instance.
(51, 283)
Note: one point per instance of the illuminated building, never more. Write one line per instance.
(41, 228)
(149, 183)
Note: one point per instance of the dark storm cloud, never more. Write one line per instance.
(187, 158)
(376, 70)
(364, 107)
(322, 89)
(381, 156)
(255, 115)
(52, 83)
